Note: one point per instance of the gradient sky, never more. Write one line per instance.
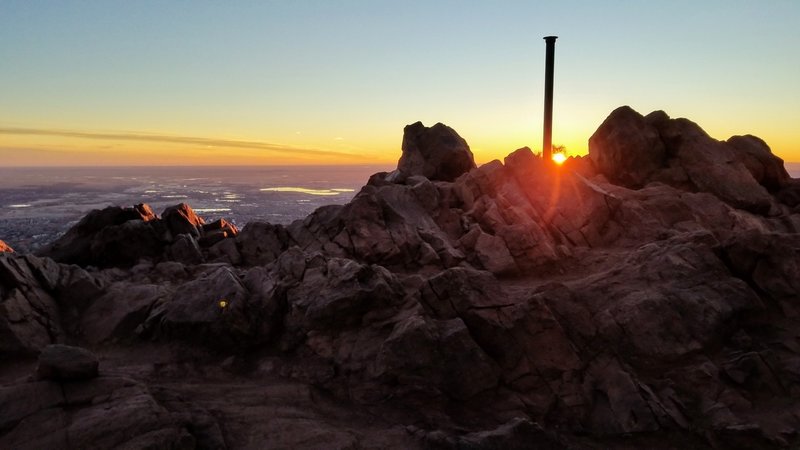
(302, 81)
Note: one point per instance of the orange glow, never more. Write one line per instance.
(559, 158)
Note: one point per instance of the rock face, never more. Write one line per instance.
(642, 297)
(66, 363)
(437, 153)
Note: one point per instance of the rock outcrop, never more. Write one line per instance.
(633, 150)
(644, 296)
(121, 237)
(436, 153)
(5, 248)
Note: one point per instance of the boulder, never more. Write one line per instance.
(75, 246)
(221, 224)
(66, 363)
(632, 150)
(626, 148)
(437, 153)
(713, 166)
(755, 154)
(181, 219)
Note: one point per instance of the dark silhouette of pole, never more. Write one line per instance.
(547, 145)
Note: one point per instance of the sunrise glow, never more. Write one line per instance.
(559, 158)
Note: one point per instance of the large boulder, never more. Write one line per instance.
(757, 157)
(633, 151)
(626, 148)
(437, 153)
(75, 246)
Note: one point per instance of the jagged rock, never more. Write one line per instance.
(494, 255)
(75, 246)
(181, 219)
(437, 153)
(66, 363)
(221, 224)
(712, 166)
(634, 150)
(29, 315)
(5, 248)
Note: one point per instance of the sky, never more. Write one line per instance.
(276, 82)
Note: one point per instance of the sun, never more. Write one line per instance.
(559, 158)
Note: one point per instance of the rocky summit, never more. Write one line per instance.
(644, 296)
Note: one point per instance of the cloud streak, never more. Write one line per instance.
(170, 139)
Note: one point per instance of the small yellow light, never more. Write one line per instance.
(223, 303)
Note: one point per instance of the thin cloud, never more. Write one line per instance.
(162, 138)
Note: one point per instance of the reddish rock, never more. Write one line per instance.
(181, 219)
(5, 248)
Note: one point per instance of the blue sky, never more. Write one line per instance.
(346, 76)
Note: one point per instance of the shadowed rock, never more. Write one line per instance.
(633, 150)
(437, 153)
(66, 363)
(75, 246)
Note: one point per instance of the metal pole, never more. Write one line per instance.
(547, 145)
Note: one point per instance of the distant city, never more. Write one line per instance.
(38, 204)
